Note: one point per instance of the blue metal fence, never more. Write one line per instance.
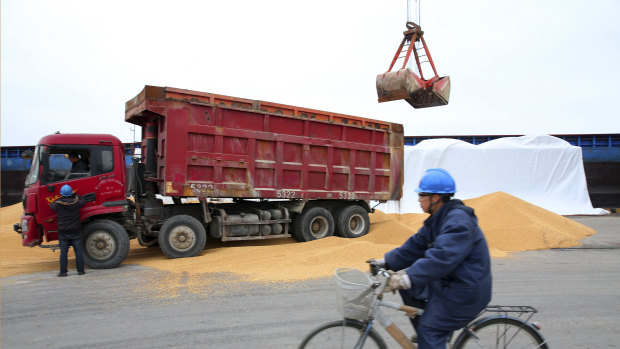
(11, 157)
(595, 148)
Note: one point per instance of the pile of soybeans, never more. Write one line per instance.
(509, 224)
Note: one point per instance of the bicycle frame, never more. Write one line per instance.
(377, 313)
(514, 319)
(391, 327)
(500, 311)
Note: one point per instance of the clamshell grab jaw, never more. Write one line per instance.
(404, 84)
(434, 96)
(401, 84)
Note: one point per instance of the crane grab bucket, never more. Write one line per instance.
(405, 83)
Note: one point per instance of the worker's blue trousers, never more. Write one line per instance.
(64, 249)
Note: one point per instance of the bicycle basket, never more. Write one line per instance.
(351, 286)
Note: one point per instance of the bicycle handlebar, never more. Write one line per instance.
(377, 268)
(374, 266)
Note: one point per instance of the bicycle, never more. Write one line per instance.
(360, 299)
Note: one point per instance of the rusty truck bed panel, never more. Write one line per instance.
(213, 146)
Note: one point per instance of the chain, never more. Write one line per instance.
(418, 15)
(419, 12)
(408, 12)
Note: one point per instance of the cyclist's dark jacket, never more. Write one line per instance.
(449, 258)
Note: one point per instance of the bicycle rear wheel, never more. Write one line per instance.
(500, 333)
(341, 334)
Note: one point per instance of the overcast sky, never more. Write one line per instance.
(516, 67)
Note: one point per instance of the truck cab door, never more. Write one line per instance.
(58, 170)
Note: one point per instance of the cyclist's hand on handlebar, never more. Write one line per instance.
(398, 281)
(375, 265)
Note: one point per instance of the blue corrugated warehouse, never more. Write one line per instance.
(601, 157)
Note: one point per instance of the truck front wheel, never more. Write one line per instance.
(315, 223)
(182, 236)
(105, 244)
(352, 222)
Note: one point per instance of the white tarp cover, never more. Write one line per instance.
(543, 170)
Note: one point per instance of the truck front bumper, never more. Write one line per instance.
(27, 228)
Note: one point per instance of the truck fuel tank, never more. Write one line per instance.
(258, 224)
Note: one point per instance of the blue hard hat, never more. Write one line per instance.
(436, 181)
(66, 190)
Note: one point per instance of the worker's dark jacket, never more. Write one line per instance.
(68, 210)
(449, 259)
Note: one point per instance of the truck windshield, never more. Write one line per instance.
(68, 162)
(33, 176)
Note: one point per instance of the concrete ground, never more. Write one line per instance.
(577, 293)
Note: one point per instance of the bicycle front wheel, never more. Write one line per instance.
(342, 334)
(500, 333)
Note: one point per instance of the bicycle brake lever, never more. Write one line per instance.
(374, 266)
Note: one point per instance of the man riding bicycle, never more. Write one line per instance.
(445, 268)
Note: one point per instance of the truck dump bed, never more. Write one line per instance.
(214, 146)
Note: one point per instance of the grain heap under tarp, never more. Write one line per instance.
(509, 224)
(543, 170)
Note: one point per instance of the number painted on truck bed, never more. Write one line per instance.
(345, 195)
(201, 186)
(285, 194)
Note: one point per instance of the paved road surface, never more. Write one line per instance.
(577, 292)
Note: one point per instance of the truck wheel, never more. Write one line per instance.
(315, 223)
(105, 244)
(352, 222)
(182, 236)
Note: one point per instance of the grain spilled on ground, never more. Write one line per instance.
(509, 224)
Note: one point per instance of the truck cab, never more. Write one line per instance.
(99, 177)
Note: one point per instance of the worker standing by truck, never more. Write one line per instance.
(69, 227)
(445, 268)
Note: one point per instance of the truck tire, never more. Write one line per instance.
(182, 236)
(105, 244)
(315, 223)
(352, 222)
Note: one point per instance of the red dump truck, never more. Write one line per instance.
(219, 167)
